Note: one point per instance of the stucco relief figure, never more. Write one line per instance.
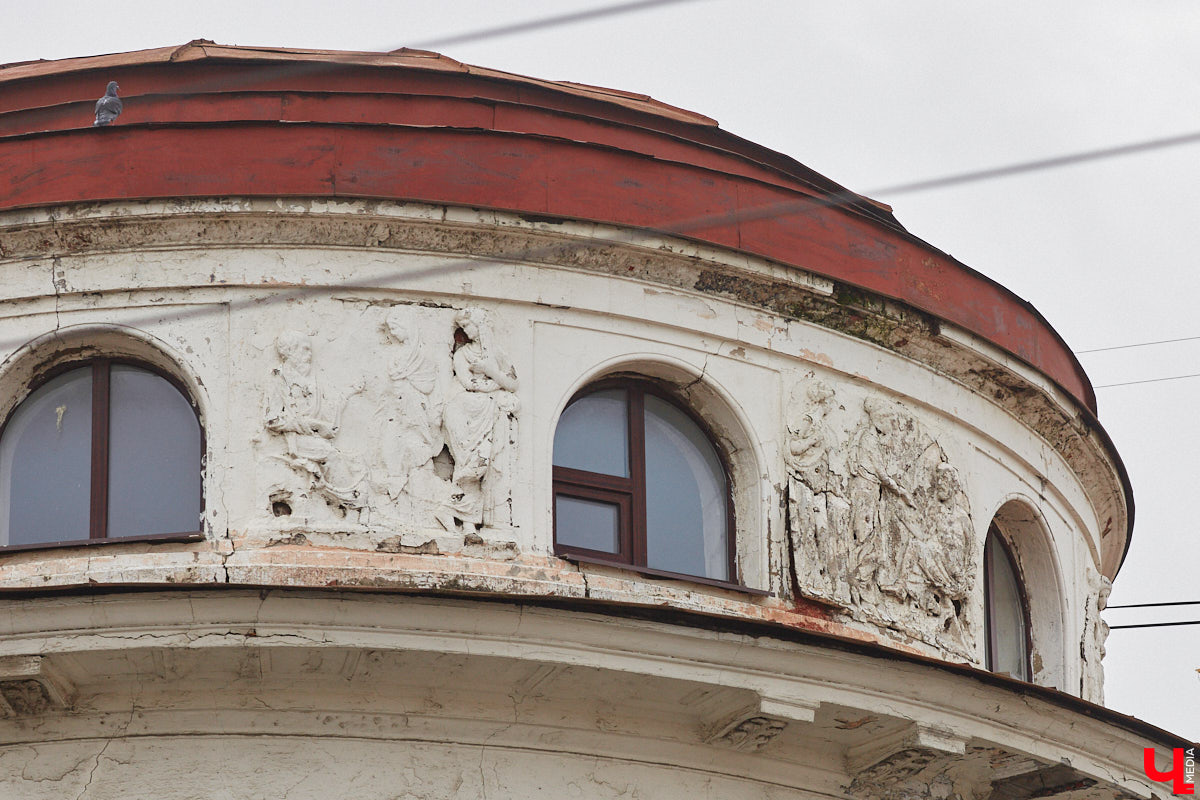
(479, 420)
(881, 496)
(410, 429)
(1102, 629)
(1092, 647)
(818, 505)
(911, 533)
(937, 570)
(296, 410)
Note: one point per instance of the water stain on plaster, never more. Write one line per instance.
(816, 358)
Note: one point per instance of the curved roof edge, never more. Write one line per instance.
(34, 89)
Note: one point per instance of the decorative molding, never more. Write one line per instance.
(909, 737)
(747, 732)
(29, 686)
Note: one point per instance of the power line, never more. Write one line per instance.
(802, 205)
(299, 67)
(1148, 380)
(629, 235)
(1038, 165)
(1154, 625)
(547, 22)
(796, 206)
(1157, 605)
(1138, 344)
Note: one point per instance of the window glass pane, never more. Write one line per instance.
(45, 463)
(1007, 614)
(686, 516)
(589, 524)
(153, 456)
(592, 434)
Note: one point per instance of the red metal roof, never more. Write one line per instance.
(207, 120)
(201, 49)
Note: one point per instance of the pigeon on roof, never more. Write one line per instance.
(108, 107)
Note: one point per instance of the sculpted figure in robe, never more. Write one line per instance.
(937, 572)
(945, 558)
(881, 496)
(818, 506)
(1092, 681)
(410, 428)
(296, 410)
(1102, 629)
(478, 419)
(911, 534)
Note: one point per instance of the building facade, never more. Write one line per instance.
(382, 427)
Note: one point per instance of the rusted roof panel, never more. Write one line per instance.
(202, 49)
(671, 165)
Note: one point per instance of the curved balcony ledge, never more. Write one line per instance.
(671, 695)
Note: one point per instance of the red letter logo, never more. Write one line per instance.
(1178, 784)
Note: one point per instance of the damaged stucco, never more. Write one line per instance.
(733, 334)
(438, 697)
(378, 386)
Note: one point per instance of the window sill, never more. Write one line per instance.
(660, 573)
(156, 537)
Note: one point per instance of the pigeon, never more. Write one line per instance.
(108, 107)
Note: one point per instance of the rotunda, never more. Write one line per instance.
(380, 426)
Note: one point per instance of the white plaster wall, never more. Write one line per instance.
(310, 768)
(216, 311)
(243, 694)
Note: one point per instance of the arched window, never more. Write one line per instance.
(1007, 610)
(638, 481)
(102, 449)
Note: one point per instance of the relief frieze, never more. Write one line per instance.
(423, 441)
(878, 521)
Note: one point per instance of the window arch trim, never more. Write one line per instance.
(629, 493)
(100, 367)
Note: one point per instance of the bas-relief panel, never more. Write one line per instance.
(1092, 645)
(878, 521)
(422, 437)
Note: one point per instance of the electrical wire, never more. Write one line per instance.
(837, 199)
(1154, 625)
(1042, 164)
(796, 206)
(803, 205)
(546, 22)
(1148, 380)
(1138, 344)
(300, 67)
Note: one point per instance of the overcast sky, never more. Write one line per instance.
(874, 94)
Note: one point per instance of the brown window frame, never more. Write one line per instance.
(629, 494)
(989, 604)
(101, 368)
